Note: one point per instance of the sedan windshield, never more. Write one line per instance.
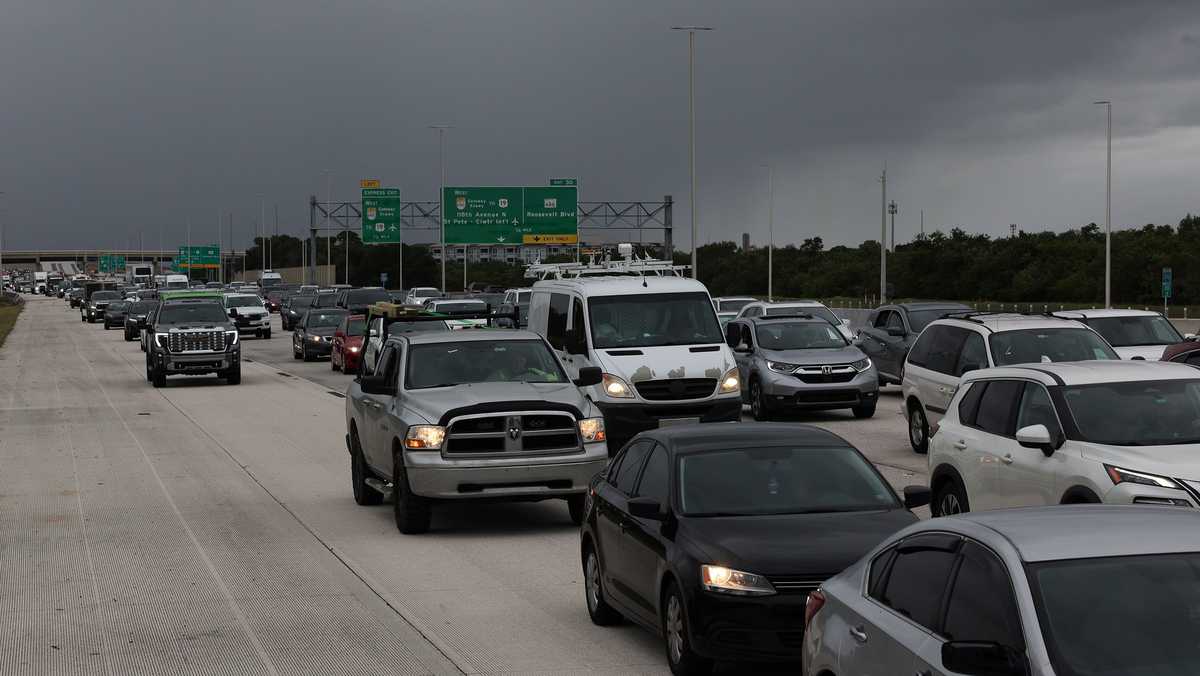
(798, 336)
(243, 301)
(192, 313)
(1138, 413)
(1097, 614)
(648, 320)
(117, 306)
(355, 327)
(297, 302)
(760, 481)
(497, 361)
(1138, 330)
(323, 319)
(1032, 346)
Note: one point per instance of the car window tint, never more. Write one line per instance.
(747, 335)
(944, 350)
(895, 321)
(556, 323)
(881, 320)
(995, 414)
(981, 605)
(1037, 409)
(879, 566)
(627, 473)
(579, 332)
(973, 355)
(386, 366)
(656, 478)
(917, 579)
(920, 349)
(968, 406)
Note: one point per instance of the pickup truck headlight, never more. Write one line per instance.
(231, 338)
(592, 429)
(730, 382)
(160, 339)
(729, 581)
(861, 365)
(427, 437)
(616, 387)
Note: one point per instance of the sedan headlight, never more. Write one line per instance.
(592, 429)
(724, 580)
(616, 387)
(1119, 475)
(730, 382)
(782, 367)
(426, 437)
(316, 339)
(861, 365)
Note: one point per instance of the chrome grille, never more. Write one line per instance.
(676, 388)
(196, 341)
(516, 433)
(829, 373)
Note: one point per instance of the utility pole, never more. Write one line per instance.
(441, 130)
(271, 258)
(770, 233)
(883, 237)
(691, 30)
(1108, 211)
(892, 209)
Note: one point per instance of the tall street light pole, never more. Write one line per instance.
(1108, 211)
(441, 130)
(691, 30)
(770, 233)
(883, 237)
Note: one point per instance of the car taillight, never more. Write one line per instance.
(816, 600)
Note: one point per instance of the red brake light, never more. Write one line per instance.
(816, 600)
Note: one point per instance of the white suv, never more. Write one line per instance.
(817, 309)
(1134, 334)
(1083, 432)
(953, 346)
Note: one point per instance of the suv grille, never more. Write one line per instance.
(196, 341)
(515, 433)
(816, 375)
(676, 388)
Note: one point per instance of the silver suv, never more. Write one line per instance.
(465, 415)
(800, 362)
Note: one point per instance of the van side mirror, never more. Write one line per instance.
(982, 658)
(647, 508)
(1036, 436)
(588, 376)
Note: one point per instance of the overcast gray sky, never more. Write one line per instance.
(129, 115)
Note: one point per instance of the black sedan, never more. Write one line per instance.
(313, 337)
(713, 535)
(114, 314)
(135, 318)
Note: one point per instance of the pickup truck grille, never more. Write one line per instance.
(196, 341)
(516, 433)
(676, 388)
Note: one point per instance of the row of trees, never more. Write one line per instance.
(1060, 267)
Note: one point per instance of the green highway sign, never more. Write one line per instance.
(198, 258)
(497, 215)
(560, 182)
(1166, 282)
(381, 215)
(111, 263)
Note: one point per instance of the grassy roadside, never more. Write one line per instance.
(8, 319)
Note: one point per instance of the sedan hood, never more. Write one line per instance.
(817, 357)
(434, 402)
(792, 544)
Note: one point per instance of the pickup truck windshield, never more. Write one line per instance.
(649, 320)
(243, 301)
(498, 361)
(192, 313)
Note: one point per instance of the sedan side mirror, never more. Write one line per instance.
(896, 332)
(1036, 436)
(982, 658)
(376, 384)
(588, 376)
(917, 496)
(647, 508)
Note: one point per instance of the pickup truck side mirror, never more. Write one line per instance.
(588, 376)
(376, 384)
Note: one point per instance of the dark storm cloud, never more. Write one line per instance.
(127, 116)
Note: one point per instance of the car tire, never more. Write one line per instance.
(267, 334)
(307, 356)
(602, 614)
(106, 326)
(918, 429)
(234, 375)
(864, 410)
(758, 405)
(149, 371)
(128, 338)
(412, 512)
(680, 656)
(575, 508)
(949, 499)
(158, 377)
(363, 493)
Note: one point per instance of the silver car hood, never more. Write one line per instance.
(820, 356)
(434, 402)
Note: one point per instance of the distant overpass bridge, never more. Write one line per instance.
(29, 259)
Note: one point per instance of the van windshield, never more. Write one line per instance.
(649, 320)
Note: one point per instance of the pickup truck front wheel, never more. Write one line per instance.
(158, 377)
(412, 511)
(234, 375)
(363, 494)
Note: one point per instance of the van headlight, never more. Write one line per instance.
(616, 387)
(592, 429)
(426, 437)
(730, 382)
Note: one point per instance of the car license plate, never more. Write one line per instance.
(668, 422)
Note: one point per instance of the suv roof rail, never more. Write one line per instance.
(630, 266)
(792, 315)
(974, 315)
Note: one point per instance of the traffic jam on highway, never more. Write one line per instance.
(1063, 454)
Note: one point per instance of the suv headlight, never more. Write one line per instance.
(592, 429)
(730, 382)
(782, 367)
(729, 581)
(427, 437)
(1119, 475)
(616, 387)
(861, 365)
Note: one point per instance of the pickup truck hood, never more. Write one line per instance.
(816, 357)
(434, 402)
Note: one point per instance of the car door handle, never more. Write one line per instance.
(960, 445)
(858, 634)
(1007, 459)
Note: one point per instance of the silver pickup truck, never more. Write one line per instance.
(471, 415)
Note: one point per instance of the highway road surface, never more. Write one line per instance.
(206, 528)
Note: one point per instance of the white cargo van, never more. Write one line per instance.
(653, 333)
(177, 282)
